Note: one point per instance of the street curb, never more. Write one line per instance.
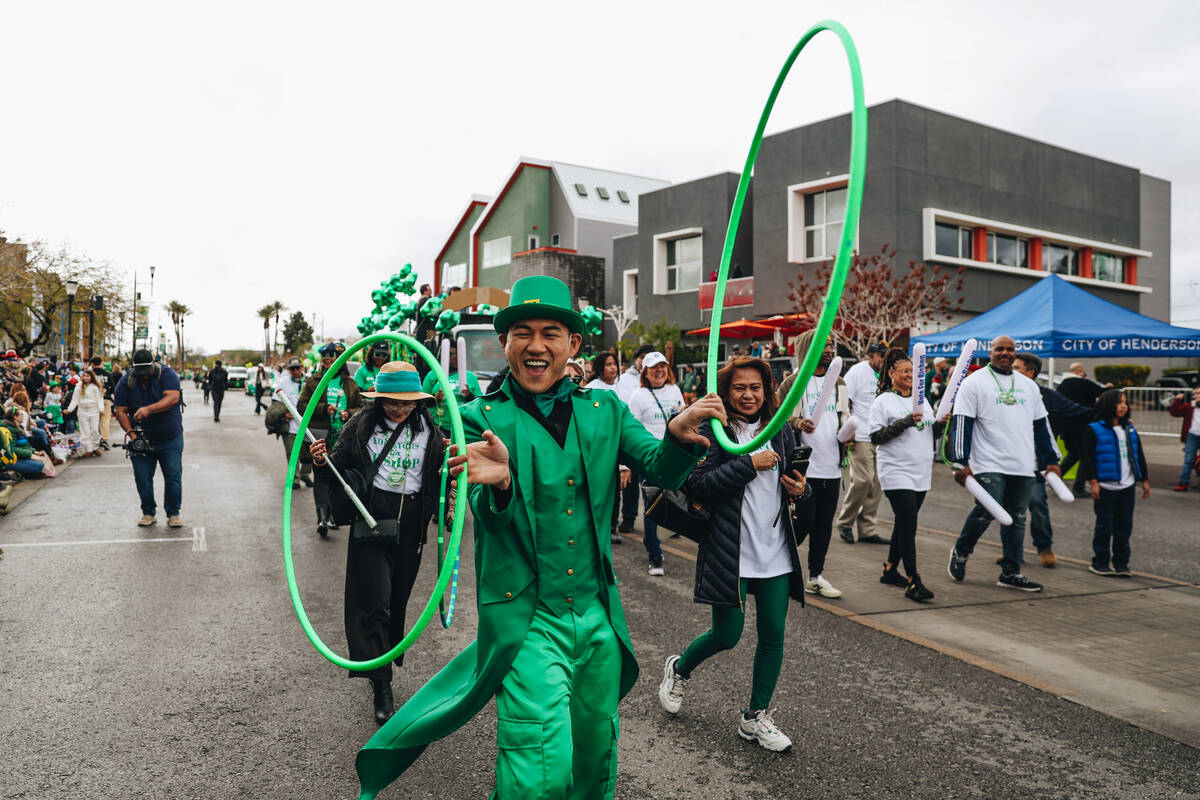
(20, 494)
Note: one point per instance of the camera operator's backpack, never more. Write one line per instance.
(276, 418)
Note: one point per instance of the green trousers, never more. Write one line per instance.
(771, 596)
(557, 710)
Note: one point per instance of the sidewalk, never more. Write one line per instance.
(26, 488)
(1129, 648)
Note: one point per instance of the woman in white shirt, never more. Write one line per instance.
(904, 460)
(652, 405)
(606, 370)
(87, 401)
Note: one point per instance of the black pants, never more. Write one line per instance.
(1114, 527)
(629, 498)
(906, 503)
(217, 397)
(815, 520)
(379, 580)
(324, 484)
(259, 405)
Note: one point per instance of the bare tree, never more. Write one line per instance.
(879, 302)
(621, 320)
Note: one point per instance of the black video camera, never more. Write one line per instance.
(139, 445)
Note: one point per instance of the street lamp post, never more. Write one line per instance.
(97, 304)
(72, 289)
(136, 300)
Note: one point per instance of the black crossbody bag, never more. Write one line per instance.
(386, 531)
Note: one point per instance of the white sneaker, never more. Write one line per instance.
(819, 585)
(670, 691)
(761, 728)
(656, 567)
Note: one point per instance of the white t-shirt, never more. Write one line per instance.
(401, 470)
(1003, 434)
(653, 407)
(826, 458)
(1195, 429)
(905, 462)
(764, 544)
(292, 389)
(596, 383)
(1126, 468)
(628, 384)
(862, 381)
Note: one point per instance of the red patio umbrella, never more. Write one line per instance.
(739, 329)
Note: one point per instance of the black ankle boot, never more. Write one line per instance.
(892, 577)
(322, 519)
(384, 703)
(917, 591)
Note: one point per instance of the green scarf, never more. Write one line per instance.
(545, 401)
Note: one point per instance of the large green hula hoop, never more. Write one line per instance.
(833, 298)
(444, 574)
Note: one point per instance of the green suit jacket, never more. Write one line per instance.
(505, 567)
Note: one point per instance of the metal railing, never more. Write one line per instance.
(1148, 409)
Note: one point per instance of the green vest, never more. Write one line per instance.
(567, 556)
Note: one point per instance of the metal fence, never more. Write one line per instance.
(1148, 409)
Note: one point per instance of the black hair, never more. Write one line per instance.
(601, 362)
(1031, 361)
(642, 350)
(414, 420)
(1106, 407)
(890, 359)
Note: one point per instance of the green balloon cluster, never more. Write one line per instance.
(390, 311)
(447, 321)
(593, 320)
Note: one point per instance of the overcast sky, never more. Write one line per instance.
(303, 152)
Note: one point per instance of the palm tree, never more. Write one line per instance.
(178, 311)
(265, 313)
(277, 308)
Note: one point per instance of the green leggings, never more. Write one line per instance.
(771, 595)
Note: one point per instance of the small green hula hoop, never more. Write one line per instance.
(444, 573)
(833, 298)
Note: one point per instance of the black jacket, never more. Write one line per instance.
(719, 482)
(350, 452)
(218, 378)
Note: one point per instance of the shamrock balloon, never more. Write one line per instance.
(432, 307)
(593, 320)
(447, 321)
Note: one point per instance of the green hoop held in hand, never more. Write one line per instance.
(446, 614)
(833, 298)
(444, 574)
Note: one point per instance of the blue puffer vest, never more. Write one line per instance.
(1108, 453)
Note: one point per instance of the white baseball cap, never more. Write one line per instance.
(653, 359)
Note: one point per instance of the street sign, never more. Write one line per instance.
(162, 347)
(143, 332)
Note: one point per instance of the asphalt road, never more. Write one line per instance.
(176, 669)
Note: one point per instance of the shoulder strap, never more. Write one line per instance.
(387, 448)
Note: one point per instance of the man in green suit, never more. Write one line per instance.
(552, 645)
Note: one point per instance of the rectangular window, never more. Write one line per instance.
(581, 190)
(684, 259)
(454, 274)
(497, 252)
(1060, 259)
(951, 240)
(966, 243)
(623, 195)
(1107, 267)
(602, 192)
(824, 215)
(554, 240)
(1007, 250)
(533, 243)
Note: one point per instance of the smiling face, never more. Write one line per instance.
(746, 391)
(657, 375)
(901, 375)
(397, 410)
(537, 351)
(1003, 352)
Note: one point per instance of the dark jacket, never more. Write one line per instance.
(1081, 391)
(218, 378)
(719, 482)
(1067, 418)
(1183, 407)
(350, 452)
(320, 417)
(1100, 458)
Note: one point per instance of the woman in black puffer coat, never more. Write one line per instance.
(752, 548)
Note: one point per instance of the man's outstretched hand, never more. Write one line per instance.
(486, 461)
(685, 426)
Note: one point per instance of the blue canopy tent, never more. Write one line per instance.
(1055, 318)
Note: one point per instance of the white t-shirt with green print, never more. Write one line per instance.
(401, 470)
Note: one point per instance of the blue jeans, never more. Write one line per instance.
(26, 467)
(650, 534)
(1039, 518)
(169, 455)
(1013, 492)
(1189, 456)
(1114, 526)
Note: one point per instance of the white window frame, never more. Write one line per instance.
(629, 292)
(534, 241)
(492, 261)
(932, 216)
(795, 215)
(660, 259)
(449, 270)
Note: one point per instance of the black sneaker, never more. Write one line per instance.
(626, 526)
(892, 577)
(917, 591)
(1018, 581)
(847, 535)
(1104, 572)
(656, 566)
(875, 538)
(614, 537)
(957, 566)
(1123, 572)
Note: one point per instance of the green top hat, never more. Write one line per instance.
(539, 297)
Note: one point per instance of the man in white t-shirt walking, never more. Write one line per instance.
(860, 501)
(1001, 433)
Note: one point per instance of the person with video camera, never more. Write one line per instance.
(752, 547)
(147, 403)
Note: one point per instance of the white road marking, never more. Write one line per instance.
(102, 541)
(199, 542)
